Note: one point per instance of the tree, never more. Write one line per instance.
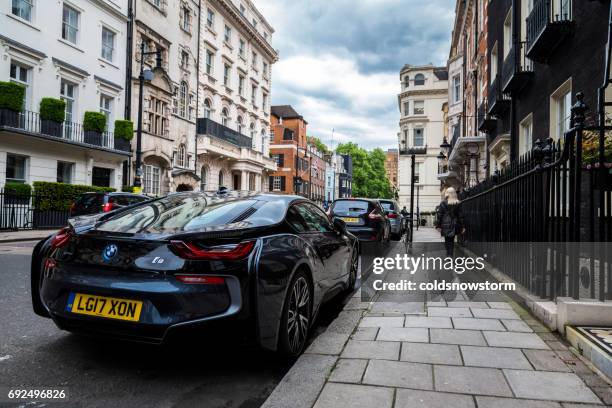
(369, 175)
(313, 140)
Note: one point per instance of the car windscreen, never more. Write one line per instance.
(177, 213)
(350, 207)
(388, 205)
(86, 201)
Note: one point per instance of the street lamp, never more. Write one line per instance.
(413, 151)
(148, 76)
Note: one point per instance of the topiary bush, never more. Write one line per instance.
(52, 109)
(124, 129)
(60, 196)
(11, 96)
(20, 190)
(94, 122)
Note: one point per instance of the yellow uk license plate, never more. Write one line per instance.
(350, 219)
(102, 306)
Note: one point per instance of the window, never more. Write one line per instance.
(70, 24)
(210, 58)
(406, 81)
(242, 10)
(221, 178)
(183, 94)
(64, 172)
(181, 156)
(108, 44)
(204, 179)
(419, 79)
(418, 138)
(253, 94)
(228, 34)
(279, 159)
(563, 108)
(252, 134)
(23, 9)
(508, 33)
(254, 59)
(68, 95)
(15, 168)
(264, 71)
(224, 117)
(526, 135)
(406, 108)
(157, 116)
(254, 23)
(264, 101)
(21, 75)
(239, 120)
(263, 140)
(494, 62)
(186, 19)
(271, 138)
(266, 36)
(241, 85)
(226, 74)
(276, 183)
(456, 89)
(210, 19)
(207, 108)
(152, 181)
(419, 107)
(562, 9)
(184, 59)
(417, 173)
(315, 219)
(241, 47)
(106, 107)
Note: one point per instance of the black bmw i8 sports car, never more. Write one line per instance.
(264, 262)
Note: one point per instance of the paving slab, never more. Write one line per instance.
(494, 357)
(372, 321)
(383, 350)
(414, 334)
(447, 354)
(449, 311)
(336, 395)
(328, 343)
(453, 336)
(398, 307)
(515, 340)
(356, 304)
(494, 402)
(516, 325)
(556, 345)
(430, 322)
(549, 386)
(399, 374)
(470, 323)
(546, 360)
(572, 405)
(348, 370)
(431, 399)
(438, 302)
(476, 305)
(499, 305)
(346, 321)
(495, 314)
(471, 380)
(365, 333)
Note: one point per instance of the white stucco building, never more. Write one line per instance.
(236, 57)
(423, 95)
(73, 50)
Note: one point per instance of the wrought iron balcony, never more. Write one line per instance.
(517, 70)
(486, 123)
(498, 101)
(30, 123)
(209, 127)
(547, 25)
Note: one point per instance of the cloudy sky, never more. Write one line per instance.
(340, 60)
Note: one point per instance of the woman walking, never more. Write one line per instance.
(449, 219)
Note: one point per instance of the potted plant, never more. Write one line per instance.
(124, 132)
(93, 126)
(11, 103)
(52, 114)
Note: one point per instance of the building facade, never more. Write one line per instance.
(317, 176)
(74, 51)
(391, 162)
(424, 93)
(235, 81)
(344, 176)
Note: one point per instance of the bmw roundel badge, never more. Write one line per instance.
(109, 252)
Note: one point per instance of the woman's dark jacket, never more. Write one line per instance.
(449, 218)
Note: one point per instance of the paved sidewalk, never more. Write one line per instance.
(459, 354)
(25, 235)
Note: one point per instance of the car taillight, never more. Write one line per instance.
(107, 207)
(392, 215)
(374, 216)
(201, 279)
(233, 252)
(62, 238)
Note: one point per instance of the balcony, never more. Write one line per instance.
(486, 123)
(209, 127)
(547, 25)
(517, 70)
(29, 123)
(498, 101)
(413, 150)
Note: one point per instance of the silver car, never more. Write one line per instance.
(395, 218)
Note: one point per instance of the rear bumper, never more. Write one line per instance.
(365, 233)
(396, 226)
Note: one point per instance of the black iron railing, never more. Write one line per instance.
(496, 97)
(542, 14)
(31, 122)
(33, 210)
(209, 127)
(515, 63)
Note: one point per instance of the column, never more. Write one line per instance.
(244, 180)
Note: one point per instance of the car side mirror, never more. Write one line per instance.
(339, 225)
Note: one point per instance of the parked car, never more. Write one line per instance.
(263, 263)
(396, 221)
(365, 218)
(93, 203)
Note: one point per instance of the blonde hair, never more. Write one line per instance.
(450, 194)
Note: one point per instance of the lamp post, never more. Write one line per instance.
(413, 151)
(144, 75)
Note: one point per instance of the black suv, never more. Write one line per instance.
(364, 218)
(94, 203)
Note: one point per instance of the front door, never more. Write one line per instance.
(101, 177)
(236, 181)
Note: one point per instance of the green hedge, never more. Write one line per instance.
(60, 196)
(52, 109)
(11, 96)
(124, 129)
(94, 122)
(19, 190)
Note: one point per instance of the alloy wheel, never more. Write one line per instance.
(298, 318)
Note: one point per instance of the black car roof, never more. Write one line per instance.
(369, 200)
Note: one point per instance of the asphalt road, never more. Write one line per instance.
(101, 373)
